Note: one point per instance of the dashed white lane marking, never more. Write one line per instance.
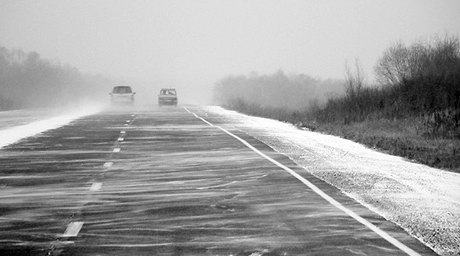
(73, 229)
(116, 150)
(318, 191)
(96, 186)
(108, 164)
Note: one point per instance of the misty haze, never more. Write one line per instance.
(246, 127)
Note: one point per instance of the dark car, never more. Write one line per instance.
(122, 95)
(167, 97)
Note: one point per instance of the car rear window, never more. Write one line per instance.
(122, 89)
(168, 92)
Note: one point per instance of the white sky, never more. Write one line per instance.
(191, 44)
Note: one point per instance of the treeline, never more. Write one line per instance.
(420, 81)
(277, 92)
(28, 81)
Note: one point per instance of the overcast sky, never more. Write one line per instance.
(191, 44)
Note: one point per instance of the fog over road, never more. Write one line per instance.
(176, 181)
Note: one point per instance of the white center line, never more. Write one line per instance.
(96, 186)
(73, 229)
(318, 191)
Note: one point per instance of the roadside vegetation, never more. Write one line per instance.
(28, 81)
(413, 111)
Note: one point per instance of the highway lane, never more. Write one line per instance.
(164, 182)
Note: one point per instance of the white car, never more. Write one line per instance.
(122, 95)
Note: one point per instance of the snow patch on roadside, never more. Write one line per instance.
(11, 135)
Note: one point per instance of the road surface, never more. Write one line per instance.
(173, 181)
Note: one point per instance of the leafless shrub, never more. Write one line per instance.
(354, 80)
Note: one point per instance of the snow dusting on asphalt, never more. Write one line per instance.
(13, 128)
(424, 201)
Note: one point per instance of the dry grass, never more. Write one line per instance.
(402, 138)
(413, 138)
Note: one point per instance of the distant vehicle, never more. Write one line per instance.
(122, 95)
(167, 96)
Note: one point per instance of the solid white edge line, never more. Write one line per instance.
(73, 229)
(318, 191)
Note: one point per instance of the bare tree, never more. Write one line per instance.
(393, 67)
(400, 63)
(354, 80)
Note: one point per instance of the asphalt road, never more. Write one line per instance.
(170, 181)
